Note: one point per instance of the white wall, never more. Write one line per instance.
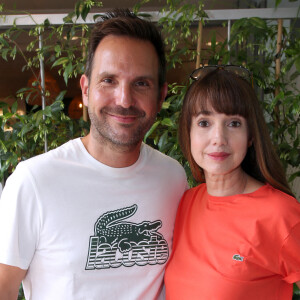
(284, 3)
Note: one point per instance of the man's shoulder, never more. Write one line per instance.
(160, 158)
(163, 165)
(63, 152)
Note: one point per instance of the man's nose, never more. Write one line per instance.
(124, 95)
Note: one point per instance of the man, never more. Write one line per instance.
(93, 219)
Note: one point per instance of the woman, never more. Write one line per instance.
(237, 234)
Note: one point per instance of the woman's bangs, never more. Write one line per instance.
(229, 102)
(219, 95)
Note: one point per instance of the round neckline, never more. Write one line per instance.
(119, 172)
(236, 196)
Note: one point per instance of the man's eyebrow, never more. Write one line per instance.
(112, 75)
(104, 74)
(146, 77)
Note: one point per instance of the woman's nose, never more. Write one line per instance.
(219, 135)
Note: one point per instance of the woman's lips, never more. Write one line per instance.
(219, 156)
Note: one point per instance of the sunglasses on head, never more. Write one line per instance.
(237, 70)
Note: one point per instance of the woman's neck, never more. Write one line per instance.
(233, 183)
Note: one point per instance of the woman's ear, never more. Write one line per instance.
(250, 142)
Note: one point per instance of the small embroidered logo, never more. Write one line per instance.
(237, 257)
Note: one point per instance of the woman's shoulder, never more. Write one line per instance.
(257, 188)
(252, 185)
(276, 201)
(193, 194)
(201, 188)
(268, 190)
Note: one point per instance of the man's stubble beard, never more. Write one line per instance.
(105, 134)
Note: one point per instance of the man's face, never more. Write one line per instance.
(123, 95)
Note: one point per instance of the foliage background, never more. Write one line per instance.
(252, 44)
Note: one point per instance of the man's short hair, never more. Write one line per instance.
(122, 22)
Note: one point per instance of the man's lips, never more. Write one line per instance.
(218, 155)
(123, 115)
(123, 119)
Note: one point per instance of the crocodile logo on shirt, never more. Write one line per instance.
(117, 242)
(237, 257)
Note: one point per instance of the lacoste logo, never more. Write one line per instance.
(237, 257)
(117, 242)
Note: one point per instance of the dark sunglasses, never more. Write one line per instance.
(237, 70)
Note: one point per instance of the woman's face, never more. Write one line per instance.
(219, 142)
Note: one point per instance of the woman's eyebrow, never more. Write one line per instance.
(204, 112)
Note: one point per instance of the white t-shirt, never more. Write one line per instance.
(85, 230)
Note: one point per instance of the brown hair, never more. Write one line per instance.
(230, 94)
(122, 22)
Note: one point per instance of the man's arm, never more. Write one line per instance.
(10, 280)
(298, 284)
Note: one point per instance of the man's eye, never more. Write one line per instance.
(141, 83)
(107, 80)
(235, 124)
(203, 123)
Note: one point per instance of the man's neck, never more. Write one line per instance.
(111, 155)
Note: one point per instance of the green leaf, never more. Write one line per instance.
(151, 130)
(293, 176)
(3, 146)
(163, 141)
(13, 52)
(47, 23)
(38, 116)
(69, 18)
(60, 96)
(168, 122)
(85, 12)
(68, 72)
(21, 144)
(25, 129)
(57, 106)
(47, 111)
(57, 48)
(77, 8)
(60, 61)
(4, 53)
(297, 64)
(14, 107)
(165, 105)
(4, 42)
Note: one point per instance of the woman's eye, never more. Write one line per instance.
(203, 123)
(235, 124)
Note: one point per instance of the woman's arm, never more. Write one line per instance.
(10, 280)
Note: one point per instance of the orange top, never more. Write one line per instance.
(237, 247)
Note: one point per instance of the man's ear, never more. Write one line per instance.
(162, 95)
(84, 84)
